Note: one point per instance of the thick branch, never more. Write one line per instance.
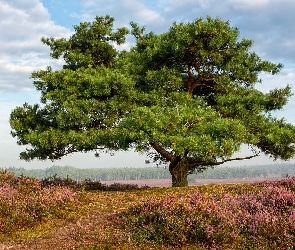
(168, 156)
(192, 84)
(194, 164)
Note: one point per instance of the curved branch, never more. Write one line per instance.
(195, 164)
(192, 83)
(167, 155)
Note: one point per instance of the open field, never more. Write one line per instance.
(98, 220)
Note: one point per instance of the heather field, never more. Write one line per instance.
(57, 213)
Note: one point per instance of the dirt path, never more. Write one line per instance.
(72, 235)
(98, 227)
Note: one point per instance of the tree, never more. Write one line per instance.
(187, 96)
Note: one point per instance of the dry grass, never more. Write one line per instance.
(96, 224)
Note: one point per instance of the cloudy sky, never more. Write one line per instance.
(270, 23)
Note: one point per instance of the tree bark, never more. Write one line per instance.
(179, 170)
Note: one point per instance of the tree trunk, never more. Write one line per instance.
(179, 170)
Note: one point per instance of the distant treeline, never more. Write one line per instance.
(95, 174)
(117, 174)
(282, 169)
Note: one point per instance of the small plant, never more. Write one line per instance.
(88, 185)
(58, 181)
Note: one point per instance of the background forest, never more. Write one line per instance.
(116, 174)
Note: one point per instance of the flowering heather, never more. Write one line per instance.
(252, 216)
(24, 202)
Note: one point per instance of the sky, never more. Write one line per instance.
(269, 23)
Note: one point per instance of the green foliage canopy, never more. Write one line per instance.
(187, 95)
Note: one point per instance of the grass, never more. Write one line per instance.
(93, 216)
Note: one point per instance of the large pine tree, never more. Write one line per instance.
(187, 95)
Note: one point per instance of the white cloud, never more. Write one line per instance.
(249, 4)
(22, 24)
(14, 77)
(124, 11)
(176, 6)
(286, 76)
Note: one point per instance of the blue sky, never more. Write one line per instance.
(270, 23)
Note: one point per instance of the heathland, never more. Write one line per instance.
(60, 213)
